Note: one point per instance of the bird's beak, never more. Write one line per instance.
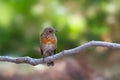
(56, 30)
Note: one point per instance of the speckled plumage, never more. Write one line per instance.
(48, 43)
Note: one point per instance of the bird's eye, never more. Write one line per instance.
(50, 31)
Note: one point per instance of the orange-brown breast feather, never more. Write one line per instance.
(44, 41)
(53, 41)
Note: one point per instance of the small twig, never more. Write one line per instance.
(32, 61)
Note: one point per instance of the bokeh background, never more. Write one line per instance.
(77, 22)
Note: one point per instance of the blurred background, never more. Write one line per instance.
(77, 22)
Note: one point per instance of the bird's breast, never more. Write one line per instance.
(48, 41)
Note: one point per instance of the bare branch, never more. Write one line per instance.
(32, 61)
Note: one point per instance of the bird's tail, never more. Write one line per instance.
(51, 63)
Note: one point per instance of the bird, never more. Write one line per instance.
(48, 43)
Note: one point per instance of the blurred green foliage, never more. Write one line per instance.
(77, 22)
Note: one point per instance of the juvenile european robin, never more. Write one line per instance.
(48, 43)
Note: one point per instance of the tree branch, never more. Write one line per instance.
(32, 61)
